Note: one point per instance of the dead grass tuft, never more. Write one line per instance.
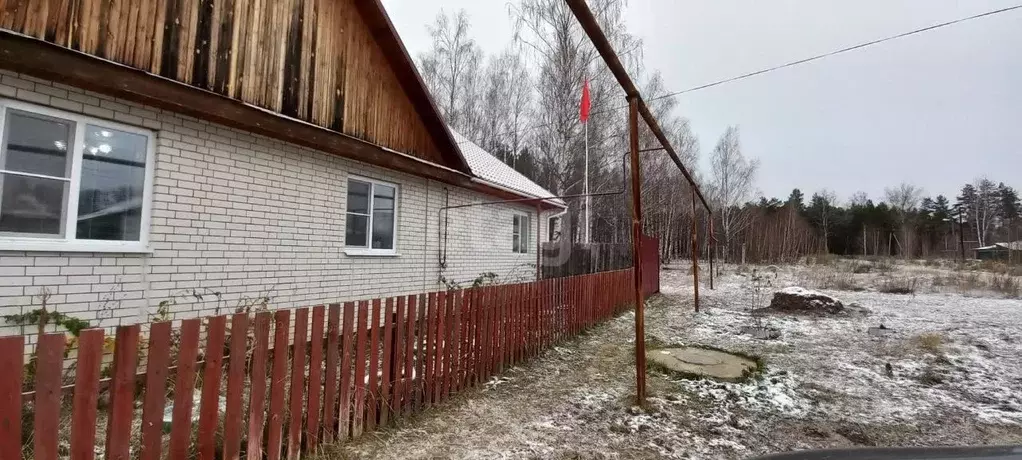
(929, 342)
(978, 282)
(899, 286)
(830, 279)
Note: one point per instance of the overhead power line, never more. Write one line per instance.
(801, 61)
(832, 53)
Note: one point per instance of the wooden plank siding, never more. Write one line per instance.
(318, 61)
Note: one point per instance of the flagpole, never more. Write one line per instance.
(587, 180)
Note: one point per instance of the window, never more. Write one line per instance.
(72, 183)
(520, 234)
(370, 226)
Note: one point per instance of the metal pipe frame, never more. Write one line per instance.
(637, 106)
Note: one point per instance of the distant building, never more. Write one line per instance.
(1000, 251)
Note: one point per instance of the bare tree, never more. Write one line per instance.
(731, 183)
(858, 199)
(904, 198)
(821, 207)
(506, 104)
(451, 70)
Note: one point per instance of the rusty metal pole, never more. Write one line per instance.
(695, 253)
(710, 243)
(640, 320)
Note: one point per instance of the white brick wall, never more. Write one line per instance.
(247, 216)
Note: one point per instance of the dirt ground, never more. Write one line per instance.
(945, 370)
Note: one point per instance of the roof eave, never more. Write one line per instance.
(549, 202)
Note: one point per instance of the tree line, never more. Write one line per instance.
(905, 223)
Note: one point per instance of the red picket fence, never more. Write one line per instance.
(305, 377)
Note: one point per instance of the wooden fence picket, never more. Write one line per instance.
(278, 374)
(155, 390)
(422, 355)
(373, 384)
(184, 388)
(233, 418)
(294, 428)
(430, 359)
(408, 389)
(440, 360)
(122, 393)
(398, 364)
(48, 374)
(257, 388)
(477, 307)
(358, 406)
(388, 350)
(315, 384)
(330, 378)
(347, 341)
(12, 360)
(209, 403)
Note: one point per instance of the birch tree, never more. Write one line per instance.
(903, 199)
(451, 70)
(506, 105)
(731, 182)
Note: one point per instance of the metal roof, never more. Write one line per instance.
(489, 168)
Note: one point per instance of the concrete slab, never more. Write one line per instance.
(702, 362)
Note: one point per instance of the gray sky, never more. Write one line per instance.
(935, 109)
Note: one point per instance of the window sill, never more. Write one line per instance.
(359, 252)
(35, 245)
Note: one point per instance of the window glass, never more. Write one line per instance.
(358, 197)
(32, 205)
(383, 198)
(112, 185)
(383, 230)
(34, 146)
(355, 230)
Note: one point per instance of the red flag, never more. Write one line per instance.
(584, 109)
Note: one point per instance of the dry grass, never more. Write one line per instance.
(929, 342)
(1006, 284)
(824, 278)
(898, 285)
(973, 282)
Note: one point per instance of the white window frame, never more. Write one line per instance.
(367, 250)
(525, 230)
(68, 242)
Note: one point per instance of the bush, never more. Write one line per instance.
(862, 268)
(899, 286)
(1007, 285)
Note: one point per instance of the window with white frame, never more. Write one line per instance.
(371, 218)
(520, 234)
(70, 182)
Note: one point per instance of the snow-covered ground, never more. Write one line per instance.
(945, 369)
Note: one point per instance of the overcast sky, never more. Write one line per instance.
(935, 109)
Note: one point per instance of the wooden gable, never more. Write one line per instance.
(334, 63)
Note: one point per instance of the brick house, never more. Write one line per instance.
(213, 148)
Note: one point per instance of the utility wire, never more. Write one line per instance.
(832, 53)
(800, 61)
